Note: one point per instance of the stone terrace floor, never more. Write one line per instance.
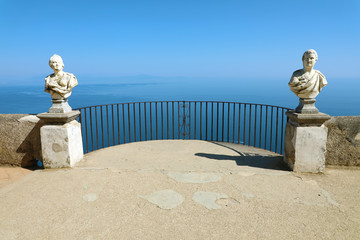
(180, 190)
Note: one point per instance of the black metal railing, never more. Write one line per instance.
(257, 125)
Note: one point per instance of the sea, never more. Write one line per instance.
(341, 97)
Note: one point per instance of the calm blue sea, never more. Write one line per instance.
(340, 97)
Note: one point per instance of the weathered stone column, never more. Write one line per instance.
(61, 141)
(305, 134)
(305, 142)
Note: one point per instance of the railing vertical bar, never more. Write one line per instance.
(86, 134)
(200, 120)
(107, 124)
(128, 113)
(162, 122)
(271, 127)
(255, 125)
(91, 131)
(113, 126)
(212, 121)
(217, 122)
(96, 127)
(277, 128)
(184, 120)
(134, 121)
(140, 121)
(234, 123)
(250, 110)
(228, 123)
(173, 119)
(245, 123)
(190, 120)
(82, 125)
(195, 118)
(223, 121)
(206, 122)
(239, 123)
(266, 124)
(282, 130)
(151, 135)
(118, 118)
(167, 118)
(123, 115)
(156, 121)
(178, 123)
(102, 127)
(145, 117)
(261, 113)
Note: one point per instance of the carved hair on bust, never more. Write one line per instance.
(56, 57)
(310, 51)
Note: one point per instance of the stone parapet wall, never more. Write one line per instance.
(19, 140)
(343, 142)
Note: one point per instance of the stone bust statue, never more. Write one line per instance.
(59, 84)
(307, 82)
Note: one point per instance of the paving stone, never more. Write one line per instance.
(208, 199)
(165, 199)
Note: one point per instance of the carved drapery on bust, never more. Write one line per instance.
(59, 84)
(307, 83)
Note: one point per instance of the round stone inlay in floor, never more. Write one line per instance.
(165, 199)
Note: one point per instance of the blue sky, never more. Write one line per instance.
(170, 38)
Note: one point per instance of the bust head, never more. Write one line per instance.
(309, 58)
(56, 63)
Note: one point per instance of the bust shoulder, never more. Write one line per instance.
(298, 73)
(69, 74)
(320, 74)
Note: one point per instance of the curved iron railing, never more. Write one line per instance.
(256, 125)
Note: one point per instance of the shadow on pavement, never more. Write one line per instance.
(249, 159)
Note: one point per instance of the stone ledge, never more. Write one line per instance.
(306, 120)
(58, 118)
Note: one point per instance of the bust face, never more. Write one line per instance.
(56, 64)
(309, 60)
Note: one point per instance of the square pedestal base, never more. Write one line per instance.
(305, 148)
(61, 145)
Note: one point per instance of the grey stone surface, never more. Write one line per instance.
(165, 199)
(209, 199)
(303, 120)
(19, 140)
(194, 177)
(305, 148)
(60, 106)
(343, 144)
(61, 145)
(29, 118)
(58, 118)
(307, 106)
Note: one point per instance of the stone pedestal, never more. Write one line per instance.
(305, 142)
(61, 141)
(307, 106)
(60, 106)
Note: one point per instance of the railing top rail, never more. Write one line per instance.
(191, 101)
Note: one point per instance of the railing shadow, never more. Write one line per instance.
(249, 159)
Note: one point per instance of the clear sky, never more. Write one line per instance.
(178, 38)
